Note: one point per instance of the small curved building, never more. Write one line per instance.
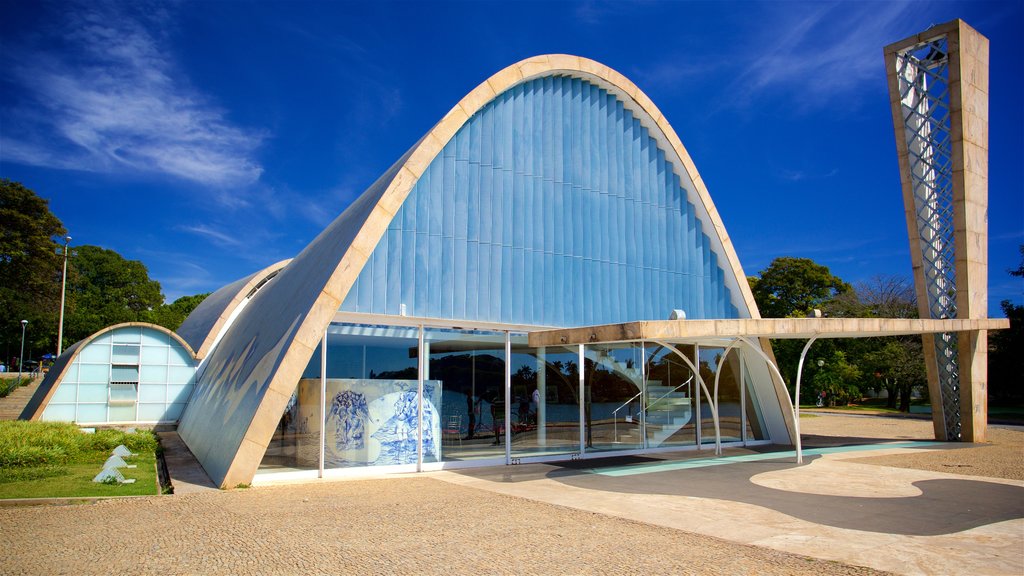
(420, 329)
(127, 373)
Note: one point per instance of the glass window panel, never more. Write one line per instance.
(154, 338)
(755, 428)
(94, 352)
(121, 393)
(179, 393)
(180, 374)
(122, 413)
(728, 395)
(548, 380)
(152, 393)
(177, 356)
(59, 412)
(71, 374)
(295, 444)
(154, 354)
(153, 374)
(124, 373)
(92, 393)
(152, 412)
(127, 336)
(93, 373)
(174, 412)
(66, 392)
(127, 353)
(613, 399)
(468, 368)
(92, 412)
(670, 399)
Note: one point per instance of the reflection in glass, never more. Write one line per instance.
(613, 398)
(755, 431)
(545, 399)
(729, 406)
(469, 369)
(670, 403)
(296, 441)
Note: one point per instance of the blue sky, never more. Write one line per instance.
(209, 139)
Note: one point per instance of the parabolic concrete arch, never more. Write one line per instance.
(248, 378)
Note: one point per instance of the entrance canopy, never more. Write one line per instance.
(721, 332)
(730, 333)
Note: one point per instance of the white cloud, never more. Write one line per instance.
(113, 100)
(822, 53)
(217, 236)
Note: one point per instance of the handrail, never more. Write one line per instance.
(615, 420)
(614, 412)
(688, 380)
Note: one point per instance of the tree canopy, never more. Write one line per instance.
(171, 315)
(848, 366)
(791, 287)
(29, 265)
(1005, 361)
(103, 287)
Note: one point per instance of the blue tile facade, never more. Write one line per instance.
(551, 206)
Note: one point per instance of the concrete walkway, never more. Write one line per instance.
(12, 404)
(187, 476)
(833, 507)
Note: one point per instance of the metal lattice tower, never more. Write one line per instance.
(923, 72)
(938, 85)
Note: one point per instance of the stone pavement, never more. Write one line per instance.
(671, 514)
(833, 507)
(405, 525)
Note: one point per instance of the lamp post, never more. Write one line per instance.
(21, 358)
(63, 290)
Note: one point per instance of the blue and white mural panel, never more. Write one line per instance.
(373, 422)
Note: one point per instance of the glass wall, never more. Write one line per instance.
(613, 399)
(545, 395)
(671, 397)
(476, 399)
(469, 369)
(754, 420)
(729, 405)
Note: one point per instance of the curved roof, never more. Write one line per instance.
(247, 379)
(34, 409)
(201, 328)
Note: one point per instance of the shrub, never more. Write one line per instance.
(24, 443)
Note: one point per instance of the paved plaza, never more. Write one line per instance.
(847, 511)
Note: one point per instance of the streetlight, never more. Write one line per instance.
(21, 359)
(63, 289)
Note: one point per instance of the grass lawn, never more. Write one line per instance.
(75, 479)
(55, 459)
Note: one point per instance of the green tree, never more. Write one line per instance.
(171, 315)
(791, 287)
(104, 289)
(838, 379)
(29, 270)
(1005, 360)
(897, 365)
